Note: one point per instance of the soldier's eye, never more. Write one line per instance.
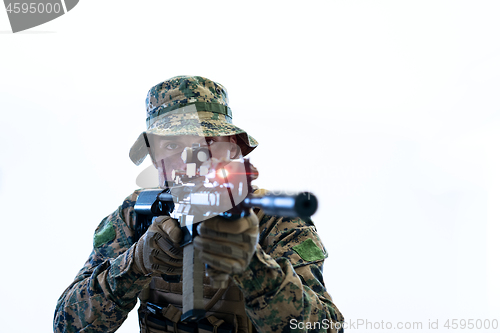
(171, 146)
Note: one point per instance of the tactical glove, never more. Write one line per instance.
(157, 251)
(227, 245)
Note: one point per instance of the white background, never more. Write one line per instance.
(389, 111)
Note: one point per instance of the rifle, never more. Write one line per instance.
(206, 189)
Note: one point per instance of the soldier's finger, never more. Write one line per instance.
(165, 269)
(172, 229)
(161, 258)
(160, 219)
(245, 237)
(167, 246)
(229, 266)
(232, 227)
(229, 250)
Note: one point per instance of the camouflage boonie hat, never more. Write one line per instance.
(188, 105)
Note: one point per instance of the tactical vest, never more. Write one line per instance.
(226, 309)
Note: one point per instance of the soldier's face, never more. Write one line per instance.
(167, 151)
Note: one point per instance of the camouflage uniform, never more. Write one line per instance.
(282, 284)
(279, 285)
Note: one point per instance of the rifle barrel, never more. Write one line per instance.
(303, 204)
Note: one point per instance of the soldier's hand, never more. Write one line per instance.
(227, 245)
(157, 251)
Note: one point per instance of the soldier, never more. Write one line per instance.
(276, 282)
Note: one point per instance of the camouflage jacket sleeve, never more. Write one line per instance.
(106, 288)
(283, 285)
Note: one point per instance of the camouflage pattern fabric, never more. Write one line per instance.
(182, 90)
(189, 105)
(278, 286)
